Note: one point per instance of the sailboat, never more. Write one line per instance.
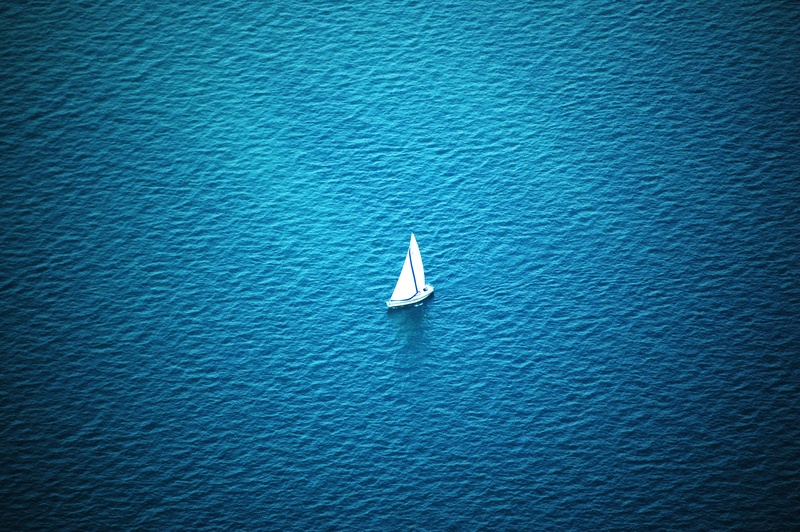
(410, 287)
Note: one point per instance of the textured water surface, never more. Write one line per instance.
(204, 207)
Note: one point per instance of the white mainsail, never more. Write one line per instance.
(416, 262)
(412, 276)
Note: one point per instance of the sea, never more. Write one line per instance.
(205, 205)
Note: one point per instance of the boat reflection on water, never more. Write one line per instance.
(410, 326)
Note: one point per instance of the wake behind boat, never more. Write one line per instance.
(410, 287)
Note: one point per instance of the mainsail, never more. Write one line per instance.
(412, 276)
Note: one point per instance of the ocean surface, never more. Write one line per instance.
(205, 205)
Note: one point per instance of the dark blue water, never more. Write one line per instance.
(204, 207)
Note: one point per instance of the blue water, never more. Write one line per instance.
(204, 207)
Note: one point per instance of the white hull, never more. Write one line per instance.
(422, 294)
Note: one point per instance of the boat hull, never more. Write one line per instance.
(427, 291)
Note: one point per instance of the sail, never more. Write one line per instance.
(416, 262)
(412, 276)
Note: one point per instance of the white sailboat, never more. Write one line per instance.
(410, 287)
